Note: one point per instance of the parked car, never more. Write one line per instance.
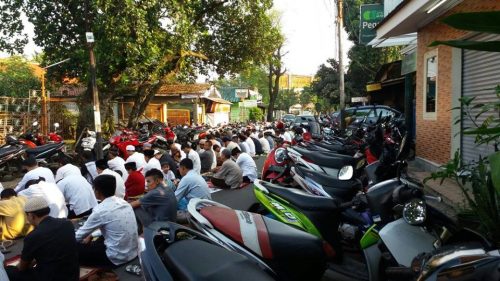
(303, 120)
(288, 118)
(367, 113)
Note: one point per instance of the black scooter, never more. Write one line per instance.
(170, 252)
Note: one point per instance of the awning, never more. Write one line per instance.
(218, 100)
(402, 23)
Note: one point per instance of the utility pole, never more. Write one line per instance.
(341, 65)
(95, 95)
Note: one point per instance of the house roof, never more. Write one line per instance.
(183, 89)
(218, 100)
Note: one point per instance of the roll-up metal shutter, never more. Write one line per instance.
(480, 76)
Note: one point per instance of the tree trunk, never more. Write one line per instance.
(272, 98)
(144, 96)
(135, 113)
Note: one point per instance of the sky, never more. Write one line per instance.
(310, 31)
(308, 26)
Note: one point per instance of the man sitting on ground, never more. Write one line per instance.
(229, 175)
(134, 186)
(34, 172)
(116, 163)
(206, 157)
(78, 194)
(136, 157)
(159, 204)
(51, 246)
(103, 169)
(152, 162)
(247, 165)
(13, 221)
(192, 185)
(193, 155)
(65, 168)
(115, 219)
(51, 193)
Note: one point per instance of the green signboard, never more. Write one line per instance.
(370, 15)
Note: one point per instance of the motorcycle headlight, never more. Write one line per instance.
(415, 212)
(280, 155)
(346, 173)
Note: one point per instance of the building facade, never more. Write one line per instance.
(443, 74)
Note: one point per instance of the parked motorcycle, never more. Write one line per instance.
(170, 252)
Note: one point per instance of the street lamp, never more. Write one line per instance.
(45, 116)
(97, 114)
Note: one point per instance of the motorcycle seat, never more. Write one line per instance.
(325, 158)
(343, 149)
(196, 260)
(4, 151)
(265, 237)
(341, 189)
(302, 199)
(43, 148)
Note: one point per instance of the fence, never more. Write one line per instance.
(18, 114)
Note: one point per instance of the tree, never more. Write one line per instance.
(286, 98)
(17, 77)
(275, 71)
(254, 77)
(142, 45)
(365, 61)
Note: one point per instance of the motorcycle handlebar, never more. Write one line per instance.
(406, 193)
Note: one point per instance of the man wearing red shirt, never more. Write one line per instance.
(134, 186)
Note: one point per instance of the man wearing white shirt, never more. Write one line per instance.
(250, 144)
(34, 173)
(65, 168)
(247, 165)
(89, 171)
(50, 192)
(78, 194)
(103, 169)
(152, 162)
(265, 143)
(136, 157)
(286, 136)
(116, 163)
(194, 156)
(115, 219)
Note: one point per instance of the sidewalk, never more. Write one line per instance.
(449, 191)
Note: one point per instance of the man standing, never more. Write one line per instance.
(89, 171)
(136, 157)
(103, 169)
(116, 221)
(34, 173)
(247, 165)
(152, 162)
(78, 194)
(192, 184)
(159, 204)
(134, 186)
(229, 175)
(51, 244)
(13, 221)
(193, 155)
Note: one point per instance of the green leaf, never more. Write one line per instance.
(495, 170)
(483, 131)
(489, 46)
(479, 21)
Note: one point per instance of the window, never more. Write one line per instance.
(430, 85)
(386, 112)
